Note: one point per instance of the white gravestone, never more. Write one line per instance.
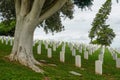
(54, 47)
(114, 56)
(98, 67)
(90, 51)
(118, 63)
(71, 47)
(63, 47)
(111, 52)
(11, 42)
(73, 52)
(6, 41)
(86, 55)
(101, 57)
(80, 49)
(46, 45)
(78, 61)
(102, 50)
(49, 53)
(39, 49)
(62, 56)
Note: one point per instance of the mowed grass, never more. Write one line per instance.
(15, 71)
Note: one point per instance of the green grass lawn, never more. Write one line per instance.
(15, 71)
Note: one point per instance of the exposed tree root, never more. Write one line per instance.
(26, 60)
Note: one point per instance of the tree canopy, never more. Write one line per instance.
(100, 33)
(53, 23)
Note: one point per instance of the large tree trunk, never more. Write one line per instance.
(16, 38)
(27, 18)
(22, 49)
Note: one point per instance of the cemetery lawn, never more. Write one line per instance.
(55, 70)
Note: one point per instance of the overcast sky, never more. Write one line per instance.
(77, 28)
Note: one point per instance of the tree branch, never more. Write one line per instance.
(52, 10)
(25, 7)
(17, 6)
(36, 8)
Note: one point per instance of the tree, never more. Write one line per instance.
(100, 33)
(105, 36)
(29, 14)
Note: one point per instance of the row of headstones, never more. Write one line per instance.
(82, 48)
(98, 68)
(52, 44)
(73, 47)
(6, 40)
(115, 57)
(117, 50)
(73, 50)
(62, 55)
(99, 62)
(113, 53)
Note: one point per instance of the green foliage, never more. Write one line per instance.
(7, 9)
(100, 33)
(57, 24)
(7, 13)
(7, 27)
(105, 36)
(53, 24)
(83, 3)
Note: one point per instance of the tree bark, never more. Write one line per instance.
(16, 37)
(22, 49)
